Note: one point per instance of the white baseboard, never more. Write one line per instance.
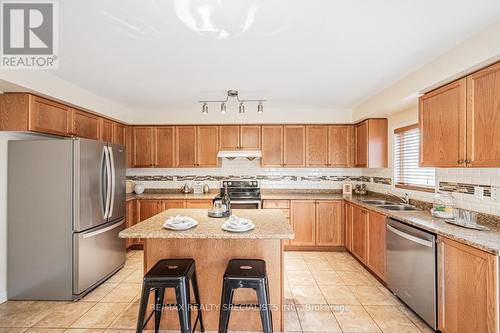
(3, 296)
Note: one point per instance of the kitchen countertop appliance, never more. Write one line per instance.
(244, 194)
(66, 206)
(411, 268)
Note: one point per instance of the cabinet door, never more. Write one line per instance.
(49, 117)
(250, 137)
(348, 226)
(359, 230)
(316, 146)
(329, 223)
(147, 208)
(164, 146)
(119, 133)
(208, 146)
(130, 221)
(361, 151)
(468, 289)
(304, 222)
(229, 137)
(376, 244)
(272, 146)
(294, 143)
(129, 146)
(171, 204)
(442, 120)
(143, 147)
(483, 118)
(199, 204)
(340, 146)
(185, 146)
(86, 125)
(106, 130)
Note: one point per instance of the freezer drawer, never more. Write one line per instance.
(97, 253)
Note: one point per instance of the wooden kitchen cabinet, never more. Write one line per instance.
(236, 137)
(316, 146)
(294, 146)
(467, 289)
(185, 146)
(47, 116)
(147, 208)
(199, 204)
(303, 217)
(171, 204)
(130, 220)
(282, 206)
(163, 143)
(86, 125)
(143, 146)
(119, 134)
(106, 130)
(207, 146)
(371, 143)
(340, 146)
(359, 232)
(129, 146)
(348, 225)
(329, 223)
(376, 253)
(272, 146)
(483, 118)
(442, 121)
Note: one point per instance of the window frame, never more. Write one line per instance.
(412, 187)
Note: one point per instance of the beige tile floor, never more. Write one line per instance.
(324, 292)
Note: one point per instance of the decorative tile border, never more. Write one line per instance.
(463, 188)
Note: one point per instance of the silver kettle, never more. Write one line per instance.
(206, 189)
(186, 188)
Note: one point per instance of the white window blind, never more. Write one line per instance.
(407, 173)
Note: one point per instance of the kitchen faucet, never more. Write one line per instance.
(404, 199)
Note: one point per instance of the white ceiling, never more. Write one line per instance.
(159, 57)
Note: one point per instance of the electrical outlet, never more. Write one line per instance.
(479, 192)
(495, 193)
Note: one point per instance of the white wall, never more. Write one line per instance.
(4, 138)
(479, 50)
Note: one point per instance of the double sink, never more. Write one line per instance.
(389, 205)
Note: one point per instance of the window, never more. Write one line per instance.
(407, 173)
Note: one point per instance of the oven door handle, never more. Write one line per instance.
(244, 202)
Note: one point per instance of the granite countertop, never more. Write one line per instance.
(488, 241)
(172, 196)
(301, 196)
(269, 224)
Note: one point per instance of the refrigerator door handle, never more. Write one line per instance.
(108, 183)
(103, 230)
(113, 181)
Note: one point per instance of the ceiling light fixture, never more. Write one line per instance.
(241, 107)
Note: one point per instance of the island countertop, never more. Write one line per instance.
(269, 224)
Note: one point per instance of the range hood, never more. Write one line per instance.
(232, 154)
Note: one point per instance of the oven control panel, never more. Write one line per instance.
(240, 183)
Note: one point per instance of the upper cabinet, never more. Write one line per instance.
(483, 118)
(316, 146)
(236, 137)
(86, 125)
(119, 133)
(329, 146)
(442, 118)
(153, 146)
(164, 151)
(459, 122)
(185, 146)
(272, 146)
(106, 130)
(294, 143)
(371, 144)
(143, 147)
(196, 146)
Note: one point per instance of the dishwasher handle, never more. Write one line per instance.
(410, 237)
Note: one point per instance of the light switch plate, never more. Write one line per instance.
(479, 192)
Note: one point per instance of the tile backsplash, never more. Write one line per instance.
(460, 182)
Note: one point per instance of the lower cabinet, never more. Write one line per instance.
(317, 223)
(359, 232)
(199, 204)
(130, 220)
(281, 205)
(375, 256)
(348, 226)
(468, 289)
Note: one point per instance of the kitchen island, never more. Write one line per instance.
(212, 248)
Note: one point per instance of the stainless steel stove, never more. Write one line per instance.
(244, 194)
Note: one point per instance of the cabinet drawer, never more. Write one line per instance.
(270, 204)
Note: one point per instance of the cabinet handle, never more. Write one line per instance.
(468, 161)
(460, 161)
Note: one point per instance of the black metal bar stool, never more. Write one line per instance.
(176, 274)
(246, 273)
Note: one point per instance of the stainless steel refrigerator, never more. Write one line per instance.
(66, 206)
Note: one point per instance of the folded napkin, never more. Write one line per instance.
(180, 220)
(238, 222)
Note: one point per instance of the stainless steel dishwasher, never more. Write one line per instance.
(411, 268)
